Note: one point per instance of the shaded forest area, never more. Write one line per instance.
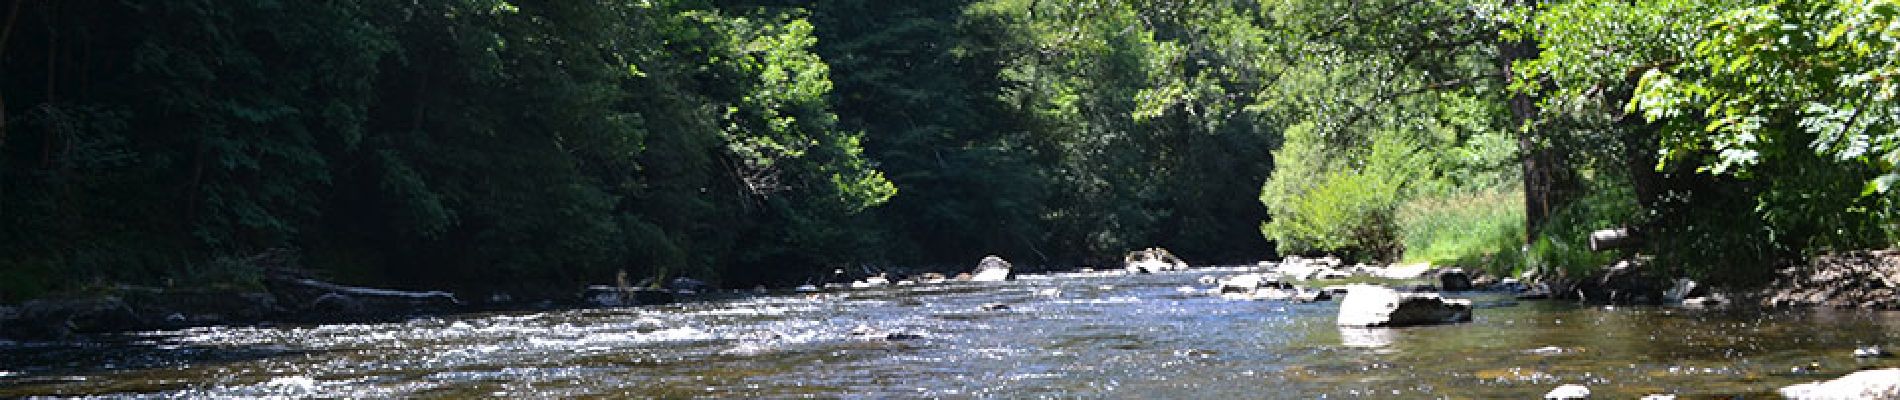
(527, 145)
(534, 145)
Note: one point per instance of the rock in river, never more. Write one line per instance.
(613, 296)
(1873, 351)
(869, 333)
(1630, 281)
(1568, 392)
(1256, 287)
(1151, 260)
(1454, 280)
(1368, 305)
(1309, 296)
(1870, 384)
(990, 269)
(1246, 283)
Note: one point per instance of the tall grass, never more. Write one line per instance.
(1478, 230)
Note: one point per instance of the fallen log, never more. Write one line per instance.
(1618, 238)
(375, 293)
(311, 299)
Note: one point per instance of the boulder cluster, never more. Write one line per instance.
(1859, 279)
(1363, 305)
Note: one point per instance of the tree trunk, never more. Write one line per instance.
(6, 33)
(1640, 148)
(1547, 175)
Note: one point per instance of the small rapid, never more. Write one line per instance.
(1058, 335)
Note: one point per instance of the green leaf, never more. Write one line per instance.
(1881, 184)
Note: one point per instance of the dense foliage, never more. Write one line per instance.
(1432, 127)
(1733, 136)
(528, 145)
(475, 143)
(1751, 133)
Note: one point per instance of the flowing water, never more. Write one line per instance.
(1141, 336)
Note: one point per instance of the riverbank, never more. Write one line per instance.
(1861, 279)
(284, 293)
(282, 298)
(1855, 280)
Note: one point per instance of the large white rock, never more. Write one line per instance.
(1370, 305)
(1148, 266)
(1568, 392)
(1405, 271)
(1870, 384)
(1151, 260)
(1243, 283)
(1297, 270)
(1255, 286)
(991, 269)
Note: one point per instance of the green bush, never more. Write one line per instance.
(1563, 246)
(1323, 204)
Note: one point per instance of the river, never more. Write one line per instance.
(1063, 335)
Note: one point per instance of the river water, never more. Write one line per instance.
(1065, 335)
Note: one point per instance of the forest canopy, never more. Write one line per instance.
(527, 145)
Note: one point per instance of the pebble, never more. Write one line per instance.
(1546, 351)
(1870, 352)
(1811, 367)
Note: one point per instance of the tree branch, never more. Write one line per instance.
(6, 31)
(1340, 26)
(1447, 84)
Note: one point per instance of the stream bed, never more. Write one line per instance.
(1060, 335)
